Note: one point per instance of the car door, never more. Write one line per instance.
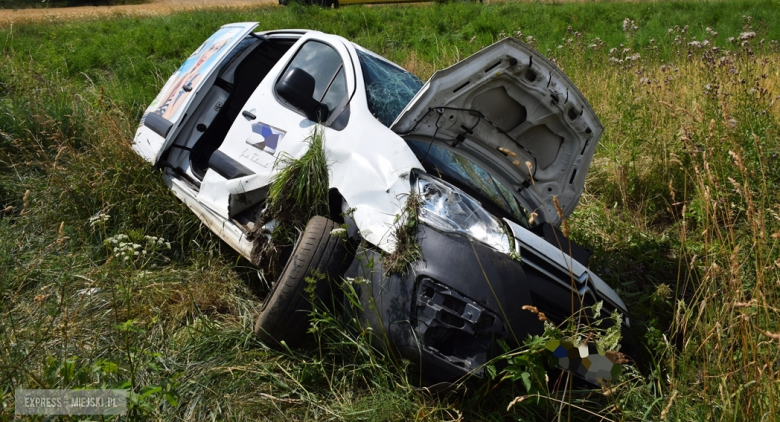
(163, 117)
(269, 128)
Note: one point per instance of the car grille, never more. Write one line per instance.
(454, 327)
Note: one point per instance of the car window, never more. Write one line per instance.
(336, 92)
(388, 87)
(323, 63)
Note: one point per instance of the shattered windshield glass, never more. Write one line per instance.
(388, 87)
(463, 172)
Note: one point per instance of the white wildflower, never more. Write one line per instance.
(339, 232)
(633, 57)
(629, 25)
(747, 36)
(98, 219)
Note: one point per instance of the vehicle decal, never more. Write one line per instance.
(168, 103)
(265, 137)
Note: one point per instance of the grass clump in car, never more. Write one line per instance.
(407, 250)
(296, 194)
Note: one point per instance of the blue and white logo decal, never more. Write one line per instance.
(265, 137)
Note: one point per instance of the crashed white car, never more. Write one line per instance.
(489, 144)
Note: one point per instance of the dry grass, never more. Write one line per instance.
(87, 13)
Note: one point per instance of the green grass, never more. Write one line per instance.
(681, 209)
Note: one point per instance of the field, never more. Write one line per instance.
(681, 207)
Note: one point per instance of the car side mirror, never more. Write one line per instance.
(297, 88)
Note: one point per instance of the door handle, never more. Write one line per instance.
(248, 115)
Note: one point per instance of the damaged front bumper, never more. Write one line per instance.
(445, 313)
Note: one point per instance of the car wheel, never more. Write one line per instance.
(335, 4)
(284, 2)
(285, 312)
(325, 3)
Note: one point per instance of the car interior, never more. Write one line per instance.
(193, 150)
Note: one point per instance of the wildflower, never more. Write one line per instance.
(98, 219)
(339, 232)
(633, 57)
(629, 25)
(745, 36)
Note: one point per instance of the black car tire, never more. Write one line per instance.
(284, 2)
(285, 312)
(324, 3)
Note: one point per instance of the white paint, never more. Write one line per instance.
(464, 84)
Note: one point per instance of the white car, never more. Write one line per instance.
(490, 144)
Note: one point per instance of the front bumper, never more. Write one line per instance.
(445, 313)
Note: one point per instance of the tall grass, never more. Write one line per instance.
(681, 209)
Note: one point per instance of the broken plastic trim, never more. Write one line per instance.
(453, 327)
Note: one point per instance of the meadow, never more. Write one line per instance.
(681, 208)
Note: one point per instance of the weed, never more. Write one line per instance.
(298, 192)
(407, 250)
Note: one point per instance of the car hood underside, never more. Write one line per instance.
(516, 113)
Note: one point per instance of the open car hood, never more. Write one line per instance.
(508, 108)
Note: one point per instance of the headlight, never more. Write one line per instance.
(447, 208)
